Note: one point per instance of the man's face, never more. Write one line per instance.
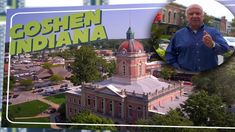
(195, 17)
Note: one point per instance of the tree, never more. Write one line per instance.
(208, 20)
(86, 66)
(172, 118)
(207, 110)
(62, 111)
(87, 117)
(47, 65)
(11, 83)
(4, 121)
(55, 78)
(219, 81)
(28, 84)
(167, 72)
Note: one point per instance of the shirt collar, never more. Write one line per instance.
(189, 28)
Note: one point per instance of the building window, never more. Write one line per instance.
(139, 112)
(74, 100)
(130, 112)
(140, 69)
(120, 109)
(169, 17)
(175, 18)
(163, 16)
(111, 106)
(79, 101)
(102, 104)
(89, 100)
(124, 69)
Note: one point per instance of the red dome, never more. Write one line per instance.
(131, 46)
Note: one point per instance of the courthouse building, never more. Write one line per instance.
(131, 94)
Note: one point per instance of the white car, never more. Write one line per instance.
(230, 40)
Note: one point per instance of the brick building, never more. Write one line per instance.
(130, 94)
(171, 17)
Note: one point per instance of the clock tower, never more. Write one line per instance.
(131, 60)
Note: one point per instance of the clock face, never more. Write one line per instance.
(123, 52)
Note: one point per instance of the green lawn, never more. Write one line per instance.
(28, 109)
(32, 125)
(58, 99)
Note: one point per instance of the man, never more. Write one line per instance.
(195, 47)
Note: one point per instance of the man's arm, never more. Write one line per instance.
(216, 41)
(172, 54)
(221, 46)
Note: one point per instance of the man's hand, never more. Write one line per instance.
(207, 40)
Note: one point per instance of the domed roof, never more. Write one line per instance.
(131, 45)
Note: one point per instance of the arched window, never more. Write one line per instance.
(163, 15)
(140, 68)
(130, 112)
(169, 17)
(111, 106)
(124, 69)
(139, 112)
(175, 18)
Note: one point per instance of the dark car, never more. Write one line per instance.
(15, 96)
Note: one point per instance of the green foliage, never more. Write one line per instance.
(208, 20)
(87, 66)
(28, 84)
(62, 111)
(165, 36)
(55, 78)
(11, 84)
(155, 35)
(219, 81)
(66, 54)
(87, 117)
(4, 121)
(167, 72)
(47, 65)
(207, 110)
(111, 68)
(173, 118)
(161, 52)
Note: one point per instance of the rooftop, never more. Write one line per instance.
(149, 84)
(164, 109)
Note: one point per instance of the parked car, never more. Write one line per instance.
(163, 44)
(15, 95)
(230, 40)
